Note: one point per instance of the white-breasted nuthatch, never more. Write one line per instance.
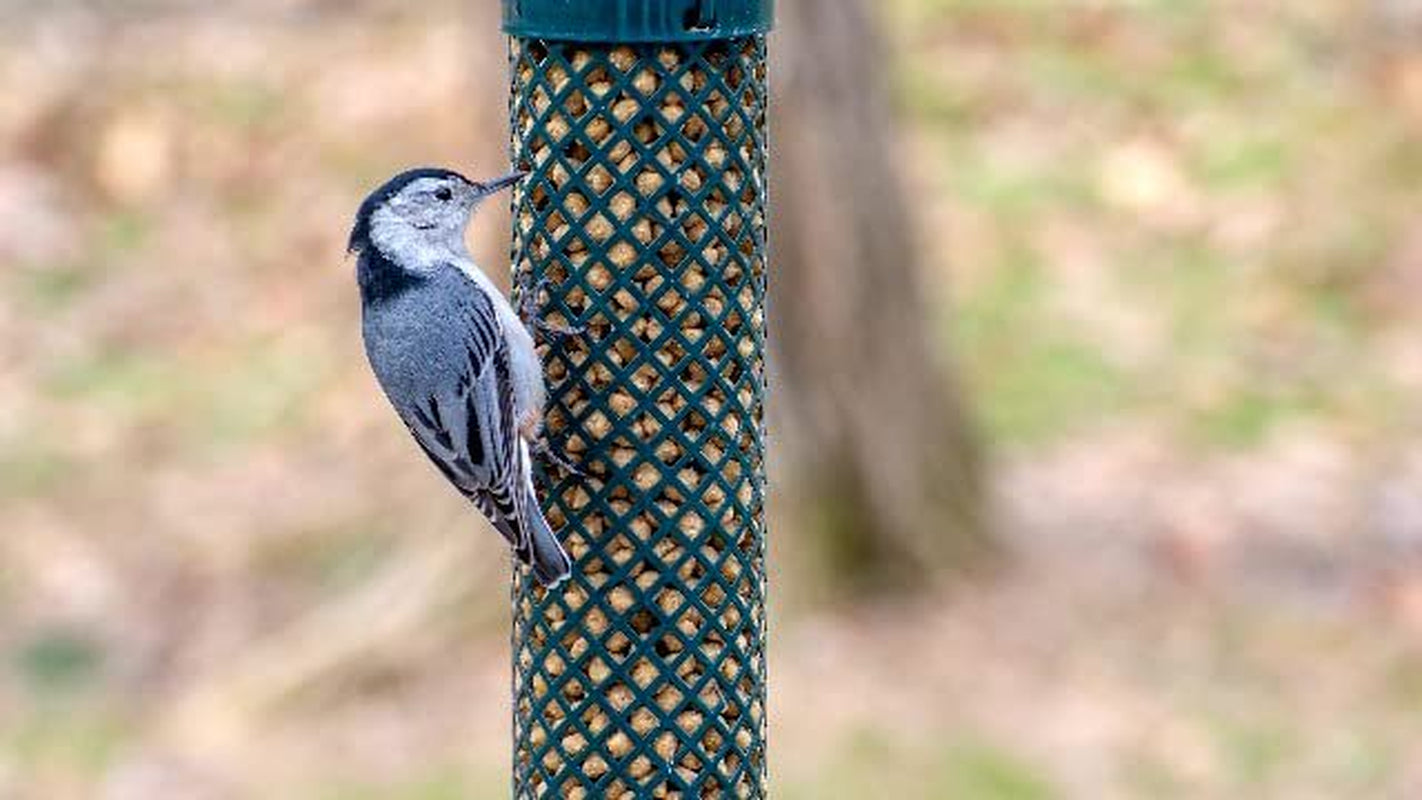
(451, 353)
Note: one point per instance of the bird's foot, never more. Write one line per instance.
(529, 290)
(544, 450)
(528, 311)
(551, 330)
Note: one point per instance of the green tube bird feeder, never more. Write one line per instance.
(642, 124)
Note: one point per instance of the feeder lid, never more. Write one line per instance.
(637, 20)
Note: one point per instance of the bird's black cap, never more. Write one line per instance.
(360, 233)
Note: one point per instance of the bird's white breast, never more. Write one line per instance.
(530, 392)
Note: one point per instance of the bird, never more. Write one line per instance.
(452, 355)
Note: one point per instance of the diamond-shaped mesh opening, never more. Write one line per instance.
(644, 676)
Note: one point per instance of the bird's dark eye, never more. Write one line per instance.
(444, 194)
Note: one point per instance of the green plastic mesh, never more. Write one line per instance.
(644, 676)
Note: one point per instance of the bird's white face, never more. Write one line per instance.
(423, 224)
(425, 221)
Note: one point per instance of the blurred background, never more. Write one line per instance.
(1130, 507)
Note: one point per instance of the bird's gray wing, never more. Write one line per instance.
(468, 428)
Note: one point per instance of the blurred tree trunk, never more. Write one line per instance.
(878, 449)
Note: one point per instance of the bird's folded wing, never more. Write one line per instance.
(468, 428)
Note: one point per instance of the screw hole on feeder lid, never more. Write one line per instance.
(698, 19)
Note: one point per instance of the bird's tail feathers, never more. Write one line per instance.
(533, 540)
(550, 562)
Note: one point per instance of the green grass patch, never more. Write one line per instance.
(986, 772)
(871, 763)
(440, 782)
(65, 738)
(121, 381)
(266, 391)
(206, 405)
(59, 660)
(124, 231)
(1245, 417)
(52, 287)
(336, 557)
(30, 467)
(1048, 388)
(244, 105)
(1014, 193)
(1033, 379)
(1244, 162)
(1253, 750)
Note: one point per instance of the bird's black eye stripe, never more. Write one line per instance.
(444, 194)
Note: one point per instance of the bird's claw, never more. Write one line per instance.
(529, 312)
(529, 290)
(556, 331)
(544, 450)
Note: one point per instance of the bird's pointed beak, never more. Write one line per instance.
(498, 184)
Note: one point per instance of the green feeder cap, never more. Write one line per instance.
(637, 20)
